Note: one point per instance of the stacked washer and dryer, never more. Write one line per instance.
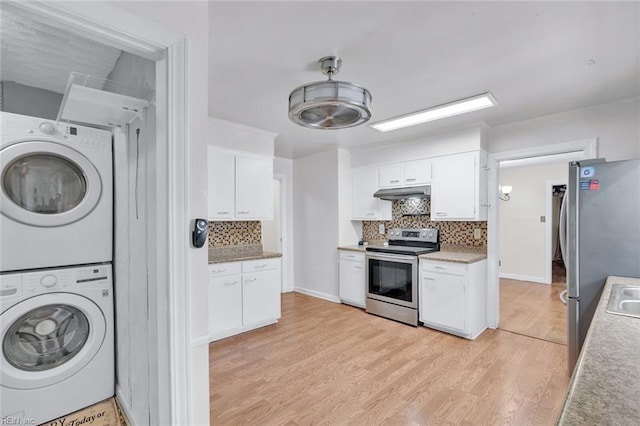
(56, 291)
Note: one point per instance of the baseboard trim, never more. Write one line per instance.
(126, 409)
(229, 333)
(318, 294)
(519, 277)
(200, 341)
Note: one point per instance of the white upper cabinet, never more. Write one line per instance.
(417, 172)
(254, 188)
(391, 175)
(240, 186)
(459, 187)
(364, 206)
(221, 180)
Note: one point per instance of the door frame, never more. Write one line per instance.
(548, 227)
(590, 149)
(167, 253)
(285, 243)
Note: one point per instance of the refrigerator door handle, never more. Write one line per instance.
(573, 230)
(563, 228)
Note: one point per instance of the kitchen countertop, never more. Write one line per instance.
(238, 257)
(605, 387)
(448, 253)
(457, 254)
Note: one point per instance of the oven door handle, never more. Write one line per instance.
(392, 257)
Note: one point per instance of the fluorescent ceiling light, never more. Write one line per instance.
(474, 103)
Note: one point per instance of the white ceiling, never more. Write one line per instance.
(36, 54)
(537, 58)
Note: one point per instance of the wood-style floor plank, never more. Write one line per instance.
(332, 364)
(533, 309)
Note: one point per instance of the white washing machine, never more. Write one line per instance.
(57, 329)
(56, 202)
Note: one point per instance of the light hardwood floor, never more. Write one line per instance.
(326, 363)
(533, 309)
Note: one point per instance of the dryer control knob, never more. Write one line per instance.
(47, 128)
(48, 281)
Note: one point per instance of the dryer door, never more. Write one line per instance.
(47, 184)
(48, 338)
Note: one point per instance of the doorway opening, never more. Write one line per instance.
(518, 263)
(274, 236)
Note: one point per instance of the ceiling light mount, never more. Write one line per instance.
(329, 104)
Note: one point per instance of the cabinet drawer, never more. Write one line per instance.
(260, 265)
(351, 255)
(443, 267)
(217, 269)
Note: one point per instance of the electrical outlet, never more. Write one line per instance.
(477, 233)
(381, 228)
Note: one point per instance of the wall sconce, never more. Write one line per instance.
(505, 190)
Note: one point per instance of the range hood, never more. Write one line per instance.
(392, 194)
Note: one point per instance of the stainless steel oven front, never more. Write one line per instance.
(392, 286)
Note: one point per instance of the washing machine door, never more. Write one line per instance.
(48, 338)
(45, 183)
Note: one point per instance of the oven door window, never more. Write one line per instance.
(391, 279)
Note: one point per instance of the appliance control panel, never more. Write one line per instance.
(36, 282)
(429, 235)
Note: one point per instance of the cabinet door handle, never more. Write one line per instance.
(442, 268)
(441, 214)
(219, 270)
(222, 212)
(249, 280)
(228, 283)
(428, 278)
(371, 214)
(357, 267)
(395, 181)
(264, 265)
(243, 212)
(410, 179)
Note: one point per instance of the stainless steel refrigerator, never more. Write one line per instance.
(603, 237)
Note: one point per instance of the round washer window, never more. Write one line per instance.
(44, 183)
(45, 337)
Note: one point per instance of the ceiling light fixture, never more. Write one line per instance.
(329, 104)
(450, 109)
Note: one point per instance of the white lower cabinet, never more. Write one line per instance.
(243, 296)
(352, 284)
(453, 297)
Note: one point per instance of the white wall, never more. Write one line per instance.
(239, 137)
(522, 235)
(615, 124)
(471, 139)
(191, 18)
(316, 212)
(284, 167)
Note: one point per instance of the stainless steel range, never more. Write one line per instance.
(392, 273)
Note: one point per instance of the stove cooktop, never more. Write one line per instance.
(415, 251)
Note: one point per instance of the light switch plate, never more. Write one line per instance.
(381, 228)
(477, 233)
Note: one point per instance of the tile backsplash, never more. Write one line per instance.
(415, 214)
(234, 233)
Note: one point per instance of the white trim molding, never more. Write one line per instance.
(318, 294)
(589, 148)
(518, 277)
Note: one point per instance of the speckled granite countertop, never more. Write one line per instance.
(458, 254)
(447, 253)
(605, 387)
(239, 253)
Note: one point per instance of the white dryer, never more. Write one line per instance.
(56, 202)
(57, 329)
